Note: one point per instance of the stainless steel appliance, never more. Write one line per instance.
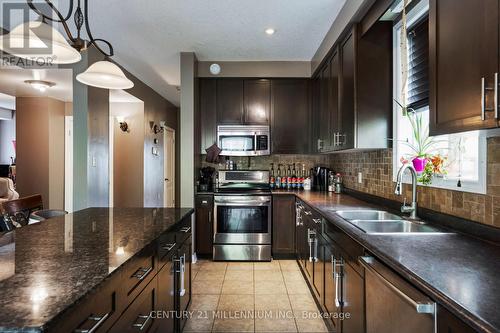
(392, 304)
(243, 140)
(242, 216)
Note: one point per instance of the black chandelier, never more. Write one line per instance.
(66, 50)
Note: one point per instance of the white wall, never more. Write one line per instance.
(7, 134)
(188, 74)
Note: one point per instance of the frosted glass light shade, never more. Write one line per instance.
(105, 74)
(25, 38)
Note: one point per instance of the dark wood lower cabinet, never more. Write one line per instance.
(166, 298)
(353, 300)
(283, 225)
(319, 268)
(449, 323)
(331, 304)
(148, 295)
(139, 316)
(183, 280)
(204, 224)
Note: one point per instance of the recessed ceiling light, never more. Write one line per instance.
(270, 31)
(40, 85)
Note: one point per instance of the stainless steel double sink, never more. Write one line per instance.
(382, 222)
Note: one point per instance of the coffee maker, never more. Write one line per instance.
(206, 179)
(320, 178)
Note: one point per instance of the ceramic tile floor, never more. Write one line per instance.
(251, 297)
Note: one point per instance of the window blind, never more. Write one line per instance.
(418, 64)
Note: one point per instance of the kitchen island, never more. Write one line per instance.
(90, 268)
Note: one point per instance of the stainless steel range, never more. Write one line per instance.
(242, 216)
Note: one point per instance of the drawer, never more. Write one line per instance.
(139, 315)
(96, 312)
(312, 219)
(206, 201)
(182, 230)
(139, 271)
(165, 244)
(352, 250)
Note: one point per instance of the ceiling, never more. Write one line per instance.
(148, 36)
(12, 82)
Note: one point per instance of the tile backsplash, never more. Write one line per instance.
(376, 167)
(264, 162)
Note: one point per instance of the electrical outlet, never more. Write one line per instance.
(360, 178)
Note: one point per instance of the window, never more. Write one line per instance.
(464, 154)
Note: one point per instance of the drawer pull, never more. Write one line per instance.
(204, 202)
(99, 320)
(186, 229)
(141, 326)
(169, 247)
(141, 273)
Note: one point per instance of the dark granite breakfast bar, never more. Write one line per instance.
(49, 267)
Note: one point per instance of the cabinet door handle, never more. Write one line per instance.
(141, 326)
(99, 320)
(311, 239)
(483, 97)
(210, 217)
(308, 212)
(186, 229)
(320, 144)
(141, 273)
(181, 271)
(317, 221)
(169, 247)
(337, 276)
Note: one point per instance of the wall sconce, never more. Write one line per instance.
(155, 128)
(123, 124)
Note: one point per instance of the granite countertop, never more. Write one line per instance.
(458, 271)
(48, 266)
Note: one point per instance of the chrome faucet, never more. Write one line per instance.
(412, 209)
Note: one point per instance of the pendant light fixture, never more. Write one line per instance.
(48, 40)
(102, 74)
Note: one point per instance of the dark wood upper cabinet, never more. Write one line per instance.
(257, 101)
(354, 107)
(229, 102)
(323, 113)
(283, 104)
(346, 136)
(283, 225)
(334, 96)
(464, 49)
(290, 116)
(208, 107)
(374, 87)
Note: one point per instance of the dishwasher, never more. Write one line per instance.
(392, 304)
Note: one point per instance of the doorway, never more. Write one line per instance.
(169, 168)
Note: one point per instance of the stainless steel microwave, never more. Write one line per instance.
(243, 140)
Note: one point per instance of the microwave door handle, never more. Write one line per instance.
(255, 142)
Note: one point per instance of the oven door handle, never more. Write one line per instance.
(244, 204)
